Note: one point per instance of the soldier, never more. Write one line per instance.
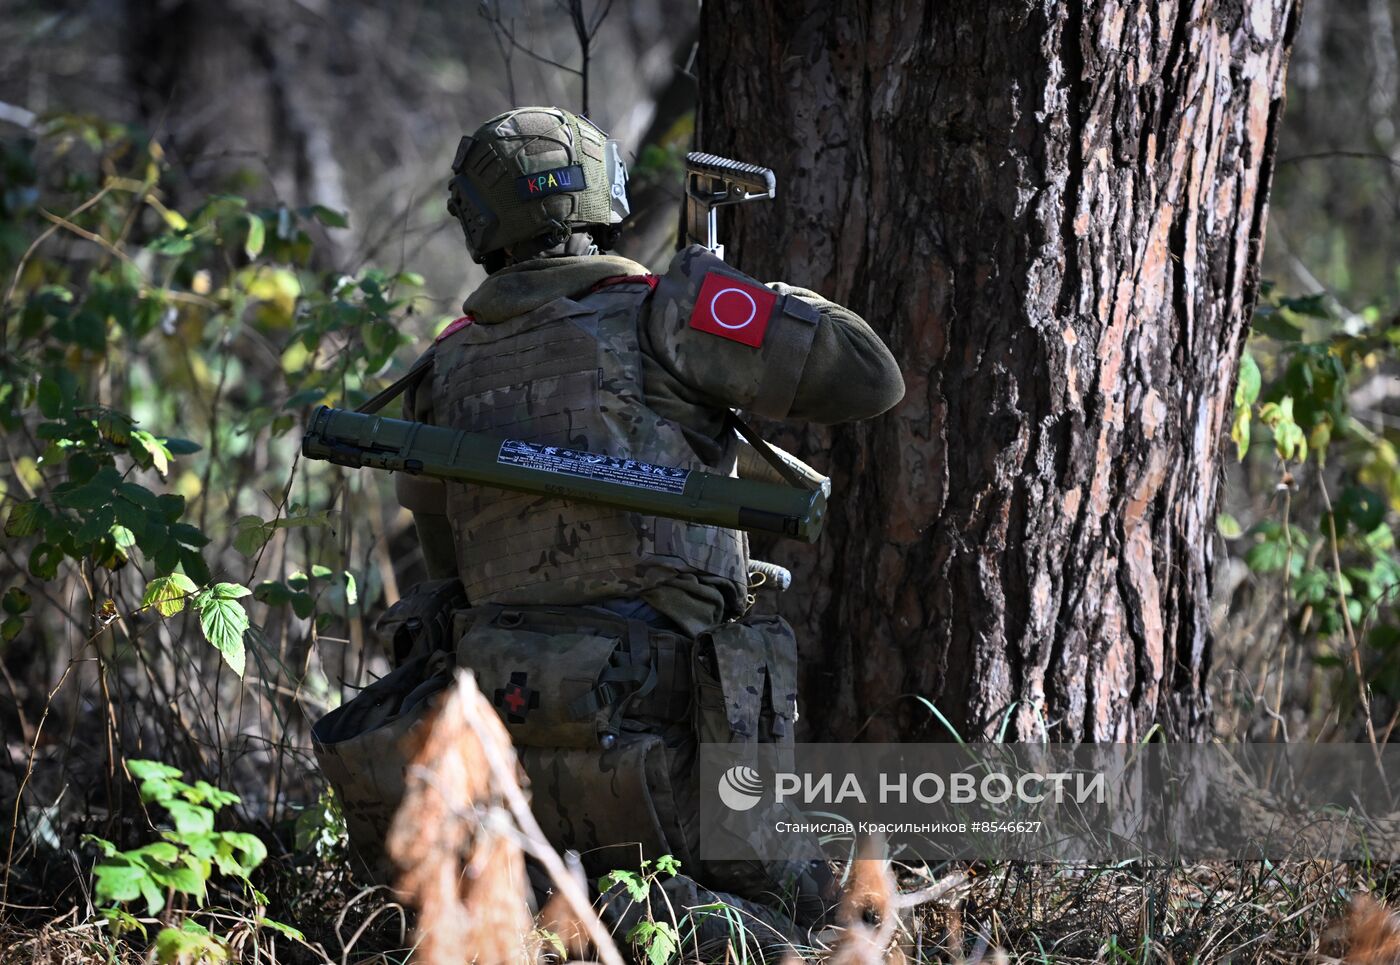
(612, 641)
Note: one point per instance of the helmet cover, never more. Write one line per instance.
(536, 172)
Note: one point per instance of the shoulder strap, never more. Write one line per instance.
(399, 386)
(793, 477)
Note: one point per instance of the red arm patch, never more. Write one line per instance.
(733, 309)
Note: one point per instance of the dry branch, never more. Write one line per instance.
(460, 837)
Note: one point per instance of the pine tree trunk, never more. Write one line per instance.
(1053, 211)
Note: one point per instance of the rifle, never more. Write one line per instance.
(712, 181)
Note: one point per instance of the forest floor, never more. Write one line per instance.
(1223, 912)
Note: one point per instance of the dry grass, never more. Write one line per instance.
(1290, 913)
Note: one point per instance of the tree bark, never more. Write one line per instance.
(1053, 211)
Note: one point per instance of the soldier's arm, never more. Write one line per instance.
(849, 372)
(799, 357)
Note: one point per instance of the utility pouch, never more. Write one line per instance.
(566, 677)
(745, 675)
(359, 747)
(421, 622)
(610, 804)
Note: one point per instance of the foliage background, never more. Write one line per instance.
(214, 216)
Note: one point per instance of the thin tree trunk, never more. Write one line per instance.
(1054, 212)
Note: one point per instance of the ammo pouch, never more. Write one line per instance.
(421, 621)
(745, 674)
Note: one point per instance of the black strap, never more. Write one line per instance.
(619, 687)
(400, 385)
(766, 451)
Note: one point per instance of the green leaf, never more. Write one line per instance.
(352, 594)
(1362, 508)
(230, 591)
(1381, 540)
(1266, 557)
(1239, 432)
(224, 621)
(194, 565)
(658, 938)
(636, 887)
(190, 818)
(302, 604)
(1289, 441)
(1312, 586)
(319, 572)
(181, 447)
(1275, 326)
(156, 853)
(11, 628)
(329, 217)
(133, 492)
(257, 236)
(44, 560)
(25, 519)
(171, 506)
(189, 535)
(171, 245)
(286, 930)
(121, 922)
(1247, 387)
(189, 946)
(250, 535)
(160, 456)
(1246, 392)
(1228, 526)
(50, 398)
(272, 593)
(184, 879)
(167, 593)
(245, 850)
(155, 897)
(144, 770)
(118, 881)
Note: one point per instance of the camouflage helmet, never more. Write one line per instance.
(536, 173)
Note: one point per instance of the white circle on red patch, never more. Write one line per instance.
(733, 308)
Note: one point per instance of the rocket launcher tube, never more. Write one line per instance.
(357, 439)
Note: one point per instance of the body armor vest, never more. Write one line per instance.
(568, 374)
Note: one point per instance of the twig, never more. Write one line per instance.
(934, 892)
(1351, 155)
(1362, 690)
(504, 779)
(29, 252)
(28, 772)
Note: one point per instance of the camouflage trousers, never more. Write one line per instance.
(607, 713)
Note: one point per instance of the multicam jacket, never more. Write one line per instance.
(593, 353)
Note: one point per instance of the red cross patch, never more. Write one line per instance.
(516, 698)
(733, 309)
